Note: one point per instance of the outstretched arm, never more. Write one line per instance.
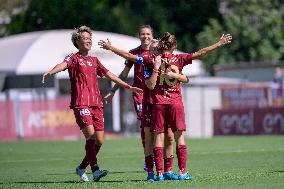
(58, 68)
(124, 54)
(225, 39)
(121, 83)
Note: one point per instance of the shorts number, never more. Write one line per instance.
(85, 112)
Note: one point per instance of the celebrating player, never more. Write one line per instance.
(167, 109)
(146, 37)
(146, 112)
(86, 98)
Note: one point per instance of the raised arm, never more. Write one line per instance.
(124, 54)
(151, 82)
(225, 39)
(58, 68)
(121, 83)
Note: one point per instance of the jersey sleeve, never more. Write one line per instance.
(69, 59)
(186, 59)
(101, 69)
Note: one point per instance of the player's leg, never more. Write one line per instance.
(158, 127)
(98, 124)
(181, 151)
(159, 154)
(84, 164)
(84, 121)
(138, 106)
(168, 156)
(178, 126)
(148, 151)
(149, 138)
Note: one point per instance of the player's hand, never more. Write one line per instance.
(169, 75)
(135, 89)
(44, 76)
(105, 44)
(157, 62)
(108, 97)
(225, 39)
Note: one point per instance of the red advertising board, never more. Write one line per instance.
(48, 119)
(7, 121)
(249, 121)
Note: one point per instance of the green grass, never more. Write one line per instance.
(223, 162)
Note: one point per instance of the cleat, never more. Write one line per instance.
(150, 177)
(98, 174)
(184, 176)
(159, 177)
(82, 174)
(170, 176)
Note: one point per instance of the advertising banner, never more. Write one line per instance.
(48, 120)
(265, 121)
(7, 121)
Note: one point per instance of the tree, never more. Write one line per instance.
(257, 27)
(9, 8)
(184, 18)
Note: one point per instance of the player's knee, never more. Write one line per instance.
(99, 141)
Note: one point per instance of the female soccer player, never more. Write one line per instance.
(86, 98)
(146, 37)
(146, 118)
(167, 109)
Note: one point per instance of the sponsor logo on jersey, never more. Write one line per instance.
(89, 63)
(140, 59)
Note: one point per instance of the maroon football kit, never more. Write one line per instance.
(167, 106)
(166, 97)
(86, 100)
(138, 80)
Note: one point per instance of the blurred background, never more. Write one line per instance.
(237, 90)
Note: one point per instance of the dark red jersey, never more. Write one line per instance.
(168, 91)
(83, 72)
(138, 68)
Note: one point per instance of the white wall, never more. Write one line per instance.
(199, 103)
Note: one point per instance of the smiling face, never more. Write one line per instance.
(84, 42)
(153, 48)
(145, 36)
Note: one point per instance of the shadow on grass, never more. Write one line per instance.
(111, 172)
(46, 182)
(73, 182)
(122, 172)
(278, 171)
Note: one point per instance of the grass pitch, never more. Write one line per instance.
(222, 162)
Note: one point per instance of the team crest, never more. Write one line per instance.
(84, 120)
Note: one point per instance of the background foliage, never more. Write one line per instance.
(257, 25)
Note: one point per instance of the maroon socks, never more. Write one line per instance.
(168, 164)
(181, 151)
(91, 154)
(159, 157)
